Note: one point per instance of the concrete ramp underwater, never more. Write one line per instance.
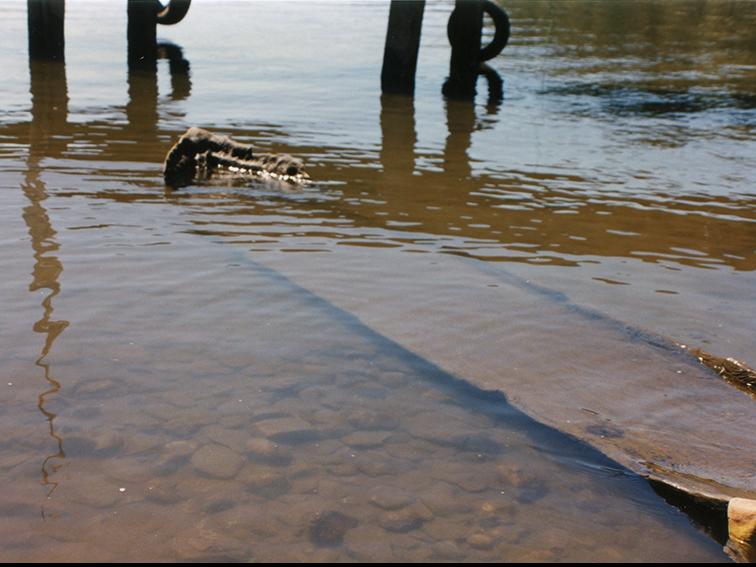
(635, 396)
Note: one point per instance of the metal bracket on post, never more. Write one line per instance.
(465, 29)
(402, 45)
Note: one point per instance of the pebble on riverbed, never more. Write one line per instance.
(480, 541)
(366, 439)
(286, 429)
(328, 528)
(217, 461)
(266, 451)
(407, 519)
(265, 481)
(390, 498)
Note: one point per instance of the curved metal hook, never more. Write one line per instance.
(173, 13)
(501, 33)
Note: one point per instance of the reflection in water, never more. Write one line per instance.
(461, 123)
(130, 135)
(398, 134)
(142, 107)
(48, 137)
(495, 87)
(181, 84)
(523, 215)
(49, 115)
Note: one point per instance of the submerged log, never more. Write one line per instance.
(200, 155)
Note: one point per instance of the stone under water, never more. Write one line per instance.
(328, 528)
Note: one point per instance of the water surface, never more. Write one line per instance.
(167, 394)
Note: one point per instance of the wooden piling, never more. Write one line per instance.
(141, 32)
(45, 19)
(464, 30)
(402, 45)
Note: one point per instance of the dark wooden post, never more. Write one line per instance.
(45, 20)
(402, 44)
(465, 29)
(141, 32)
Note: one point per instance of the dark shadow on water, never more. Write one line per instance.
(626, 99)
(708, 515)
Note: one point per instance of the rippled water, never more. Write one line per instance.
(202, 374)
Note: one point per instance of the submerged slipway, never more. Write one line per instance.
(637, 397)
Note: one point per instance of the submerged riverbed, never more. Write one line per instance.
(312, 374)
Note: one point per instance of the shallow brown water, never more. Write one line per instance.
(167, 393)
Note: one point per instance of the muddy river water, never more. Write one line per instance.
(455, 343)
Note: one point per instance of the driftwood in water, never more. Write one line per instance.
(201, 155)
(733, 371)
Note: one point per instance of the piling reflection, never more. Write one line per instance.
(522, 215)
(49, 135)
(398, 153)
(462, 121)
(142, 107)
(49, 117)
(178, 66)
(132, 138)
(399, 135)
